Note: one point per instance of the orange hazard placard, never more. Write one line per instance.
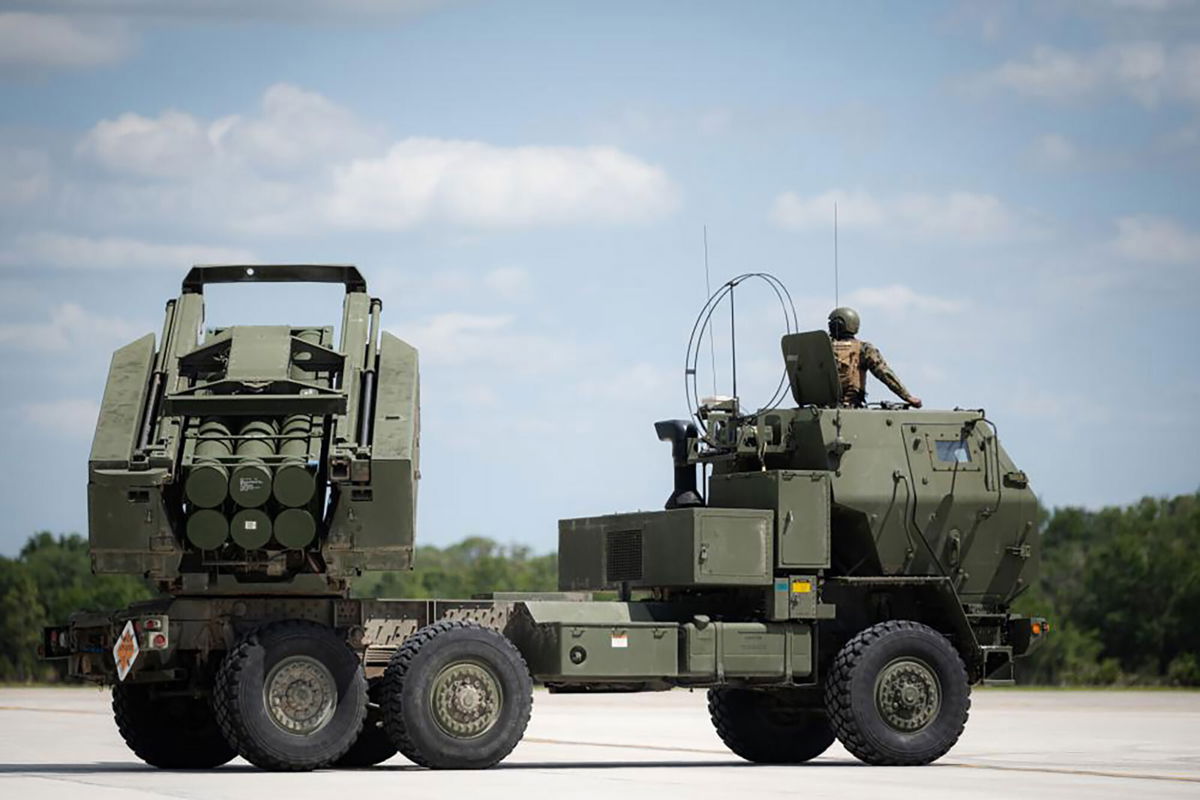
(126, 650)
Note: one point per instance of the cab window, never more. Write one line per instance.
(953, 452)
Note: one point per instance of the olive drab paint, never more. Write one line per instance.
(875, 511)
(215, 457)
(832, 571)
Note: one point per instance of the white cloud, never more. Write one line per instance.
(953, 216)
(641, 382)
(488, 340)
(303, 162)
(114, 252)
(172, 145)
(476, 184)
(74, 419)
(1148, 71)
(715, 121)
(1149, 6)
(1182, 139)
(898, 300)
(1055, 150)
(958, 215)
(1064, 410)
(74, 34)
(70, 327)
(40, 41)
(1047, 72)
(24, 176)
(1153, 239)
(293, 128)
(856, 210)
(291, 11)
(508, 282)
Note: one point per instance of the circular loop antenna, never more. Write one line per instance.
(701, 326)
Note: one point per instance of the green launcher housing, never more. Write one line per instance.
(252, 455)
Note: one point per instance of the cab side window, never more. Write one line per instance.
(953, 451)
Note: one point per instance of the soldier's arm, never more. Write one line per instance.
(880, 369)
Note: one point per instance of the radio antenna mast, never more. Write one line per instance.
(836, 301)
(712, 352)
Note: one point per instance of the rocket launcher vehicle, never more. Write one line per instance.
(255, 457)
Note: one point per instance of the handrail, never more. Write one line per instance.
(202, 274)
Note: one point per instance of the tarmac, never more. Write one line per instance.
(1029, 744)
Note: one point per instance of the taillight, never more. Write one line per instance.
(154, 632)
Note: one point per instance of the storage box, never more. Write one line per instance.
(800, 500)
(745, 650)
(681, 547)
(595, 641)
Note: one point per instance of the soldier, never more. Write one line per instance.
(855, 357)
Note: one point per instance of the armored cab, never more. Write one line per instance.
(911, 493)
(858, 497)
(272, 456)
(826, 543)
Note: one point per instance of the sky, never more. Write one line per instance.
(528, 187)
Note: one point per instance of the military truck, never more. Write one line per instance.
(841, 573)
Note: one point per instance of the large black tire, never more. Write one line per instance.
(169, 731)
(373, 746)
(456, 696)
(291, 696)
(770, 726)
(898, 694)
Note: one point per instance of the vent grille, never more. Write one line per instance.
(624, 556)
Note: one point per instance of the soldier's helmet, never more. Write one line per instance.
(843, 322)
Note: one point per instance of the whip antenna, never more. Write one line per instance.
(733, 337)
(712, 352)
(836, 301)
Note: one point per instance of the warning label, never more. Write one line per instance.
(126, 650)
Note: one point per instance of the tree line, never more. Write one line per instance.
(1119, 586)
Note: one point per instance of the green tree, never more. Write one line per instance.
(473, 566)
(21, 619)
(44, 585)
(62, 570)
(1119, 585)
(1142, 582)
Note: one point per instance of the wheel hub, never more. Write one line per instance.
(466, 700)
(300, 695)
(908, 695)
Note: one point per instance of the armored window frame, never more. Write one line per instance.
(953, 442)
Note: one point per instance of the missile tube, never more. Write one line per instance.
(250, 481)
(207, 483)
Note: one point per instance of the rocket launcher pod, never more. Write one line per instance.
(207, 528)
(207, 483)
(295, 528)
(294, 483)
(250, 528)
(250, 481)
(295, 444)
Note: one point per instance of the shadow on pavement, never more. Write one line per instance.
(661, 764)
(118, 767)
(107, 767)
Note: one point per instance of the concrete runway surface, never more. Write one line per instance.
(1032, 744)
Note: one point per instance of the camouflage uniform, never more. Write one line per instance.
(854, 357)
